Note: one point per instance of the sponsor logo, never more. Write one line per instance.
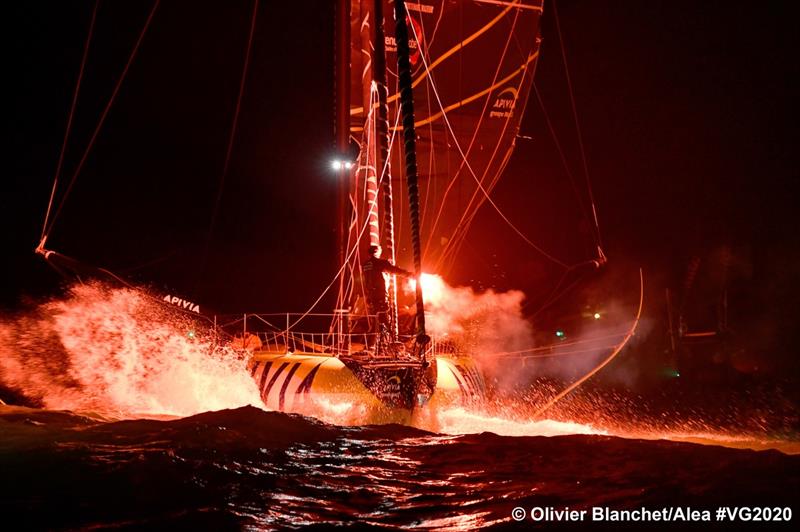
(504, 103)
(186, 305)
(421, 8)
(413, 56)
(391, 389)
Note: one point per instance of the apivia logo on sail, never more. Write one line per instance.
(504, 103)
(186, 305)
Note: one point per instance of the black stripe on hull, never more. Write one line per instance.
(282, 397)
(458, 380)
(264, 373)
(305, 386)
(471, 380)
(265, 391)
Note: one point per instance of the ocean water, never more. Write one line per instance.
(132, 424)
(247, 469)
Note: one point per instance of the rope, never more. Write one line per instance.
(410, 141)
(560, 150)
(102, 118)
(69, 120)
(455, 242)
(474, 137)
(477, 181)
(578, 129)
(605, 362)
(559, 345)
(562, 353)
(121, 281)
(355, 244)
(555, 295)
(232, 136)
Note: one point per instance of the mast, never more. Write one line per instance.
(368, 163)
(342, 129)
(383, 159)
(409, 140)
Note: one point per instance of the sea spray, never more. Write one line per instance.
(482, 324)
(119, 351)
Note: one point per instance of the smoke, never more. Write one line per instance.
(513, 355)
(119, 352)
(484, 324)
(589, 341)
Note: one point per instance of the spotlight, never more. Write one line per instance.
(339, 164)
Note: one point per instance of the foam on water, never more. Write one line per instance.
(464, 421)
(118, 351)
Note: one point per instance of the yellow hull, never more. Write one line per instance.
(324, 386)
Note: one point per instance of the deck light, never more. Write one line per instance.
(338, 164)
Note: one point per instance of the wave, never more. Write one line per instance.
(245, 468)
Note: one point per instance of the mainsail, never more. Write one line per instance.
(473, 63)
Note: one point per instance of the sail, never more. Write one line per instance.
(473, 63)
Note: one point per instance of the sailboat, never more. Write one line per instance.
(451, 81)
(430, 96)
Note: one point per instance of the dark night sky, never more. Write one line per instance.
(688, 112)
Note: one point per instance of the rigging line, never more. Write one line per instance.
(145, 292)
(456, 247)
(513, 4)
(460, 234)
(475, 132)
(577, 127)
(477, 181)
(354, 252)
(605, 362)
(345, 291)
(152, 261)
(152, 297)
(348, 291)
(335, 277)
(69, 121)
(454, 250)
(469, 99)
(469, 214)
(367, 151)
(102, 118)
(556, 296)
(355, 247)
(560, 150)
(598, 349)
(557, 346)
(550, 295)
(231, 138)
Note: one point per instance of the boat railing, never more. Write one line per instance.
(324, 343)
(331, 334)
(324, 334)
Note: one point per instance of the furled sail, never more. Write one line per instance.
(473, 63)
